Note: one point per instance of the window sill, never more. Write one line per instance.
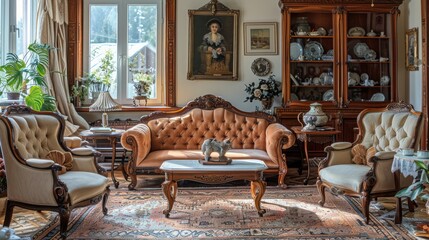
(129, 108)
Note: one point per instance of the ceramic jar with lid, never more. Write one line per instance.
(317, 113)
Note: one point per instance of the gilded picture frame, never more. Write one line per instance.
(213, 56)
(412, 51)
(260, 38)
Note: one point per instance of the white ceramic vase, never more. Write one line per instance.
(317, 113)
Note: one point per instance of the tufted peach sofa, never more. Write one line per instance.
(179, 134)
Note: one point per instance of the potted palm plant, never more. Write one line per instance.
(19, 73)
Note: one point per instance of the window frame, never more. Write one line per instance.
(122, 46)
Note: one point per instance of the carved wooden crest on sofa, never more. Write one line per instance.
(209, 102)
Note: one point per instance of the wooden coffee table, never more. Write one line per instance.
(251, 170)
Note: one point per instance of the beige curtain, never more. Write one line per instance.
(52, 17)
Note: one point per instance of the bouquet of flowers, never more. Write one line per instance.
(265, 90)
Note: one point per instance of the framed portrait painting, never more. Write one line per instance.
(411, 45)
(260, 38)
(213, 44)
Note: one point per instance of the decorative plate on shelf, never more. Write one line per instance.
(261, 67)
(364, 76)
(356, 31)
(384, 80)
(378, 97)
(313, 50)
(370, 55)
(294, 80)
(328, 95)
(360, 49)
(295, 50)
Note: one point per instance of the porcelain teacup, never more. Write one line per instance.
(406, 151)
(423, 154)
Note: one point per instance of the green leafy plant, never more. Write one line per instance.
(16, 74)
(142, 83)
(101, 78)
(420, 187)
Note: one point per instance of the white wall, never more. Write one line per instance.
(411, 10)
(233, 91)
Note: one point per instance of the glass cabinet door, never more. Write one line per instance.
(311, 56)
(368, 60)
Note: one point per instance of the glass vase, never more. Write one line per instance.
(266, 104)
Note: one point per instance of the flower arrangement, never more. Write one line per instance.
(265, 90)
(143, 83)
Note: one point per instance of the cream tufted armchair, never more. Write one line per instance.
(387, 130)
(34, 183)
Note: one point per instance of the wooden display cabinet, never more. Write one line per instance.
(341, 53)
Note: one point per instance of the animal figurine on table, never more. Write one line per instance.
(212, 145)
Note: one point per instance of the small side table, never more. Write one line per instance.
(320, 135)
(113, 137)
(404, 165)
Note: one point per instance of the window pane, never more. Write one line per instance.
(2, 33)
(103, 47)
(142, 47)
(25, 25)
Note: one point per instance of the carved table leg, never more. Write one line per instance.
(308, 161)
(112, 171)
(169, 189)
(257, 189)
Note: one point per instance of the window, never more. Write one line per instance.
(124, 55)
(17, 26)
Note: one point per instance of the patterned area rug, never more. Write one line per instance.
(225, 213)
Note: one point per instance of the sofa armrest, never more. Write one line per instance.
(138, 140)
(278, 138)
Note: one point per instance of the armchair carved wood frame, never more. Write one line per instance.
(387, 129)
(34, 182)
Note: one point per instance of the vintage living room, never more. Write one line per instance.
(214, 119)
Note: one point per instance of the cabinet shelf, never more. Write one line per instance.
(368, 62)
(325, 37)
(366, 37)
(312, 86)
(369, 87)
(311, 61)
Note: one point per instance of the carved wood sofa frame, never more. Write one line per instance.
(206, 102)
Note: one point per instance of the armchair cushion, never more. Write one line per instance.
(65, 160)
(83, 185)
(346, 176)
(361, 155)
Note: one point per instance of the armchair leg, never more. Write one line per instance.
(321, 189)
(365, 207)
(281, 180)
(64, 221)
(8, 215)
(105, 197)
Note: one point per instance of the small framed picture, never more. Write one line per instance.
(260, 38)
(411, 45)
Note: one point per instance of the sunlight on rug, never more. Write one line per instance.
(225, 213)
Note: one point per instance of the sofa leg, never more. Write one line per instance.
(321, 189)
(281, 180)
(8, 215)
